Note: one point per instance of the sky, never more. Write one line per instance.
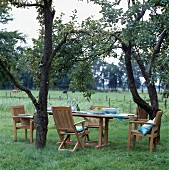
(26, 23)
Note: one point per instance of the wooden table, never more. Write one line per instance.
(106, 117)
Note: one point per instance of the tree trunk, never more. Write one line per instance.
(42, 116)
(131, 81)
(153, 100)
(152, 110)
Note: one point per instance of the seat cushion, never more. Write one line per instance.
(80, 128)
(144, 129)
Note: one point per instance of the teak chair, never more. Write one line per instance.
(132, 133)
(94, 122)
(19, 124)
(66, 127)
(142, 115)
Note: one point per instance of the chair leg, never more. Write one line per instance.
(151, 144)
(129, 140)
(15, 134)
(25, 134)
(80, 142)
(31, 131)
(140, 138)
(134, 140)
(63, 143)
(31, 136)
(155, 143)
(75, 147)
(87, 136)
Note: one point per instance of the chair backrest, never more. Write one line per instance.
(158, 118)
(17, 110)
(141, 113)
(94, 107)
(63, 118)
(94, 122)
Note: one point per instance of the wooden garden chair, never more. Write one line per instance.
(132, 133)
(142, 115)
(66, 127)
(22, 122)
(94, 122)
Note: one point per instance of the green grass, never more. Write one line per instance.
(22, 155)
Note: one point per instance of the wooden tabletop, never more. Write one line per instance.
(110, 116)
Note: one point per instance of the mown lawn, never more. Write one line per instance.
(22, 155)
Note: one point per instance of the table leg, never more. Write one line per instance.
(100, 133)
(106, 132)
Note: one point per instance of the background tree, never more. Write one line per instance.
(10, 48)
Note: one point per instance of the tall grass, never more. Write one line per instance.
(22, 155)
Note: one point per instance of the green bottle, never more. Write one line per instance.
(77, 108)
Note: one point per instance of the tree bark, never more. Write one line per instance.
(42, 116)
(131, 81)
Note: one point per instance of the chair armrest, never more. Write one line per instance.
(141, 122)
(80, 122)
(145, 120)
(86, 118)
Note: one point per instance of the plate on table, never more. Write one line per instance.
(81, 112)
(98, 112)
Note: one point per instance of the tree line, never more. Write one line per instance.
(106, 76)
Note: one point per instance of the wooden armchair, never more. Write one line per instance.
(132, 133)
(94, 122)
(66, 127)
(142, 115)
(22, 122)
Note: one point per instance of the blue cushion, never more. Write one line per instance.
(146, 128)
(80, 128)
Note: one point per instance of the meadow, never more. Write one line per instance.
(22, 155)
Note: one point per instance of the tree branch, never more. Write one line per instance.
(19, 4)
(63, 41)
(57, 48)
(17, 84)
(141, 65)
(157, 49)
(141, 14)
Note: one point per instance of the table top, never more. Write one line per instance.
(98, 114)
(25, 116)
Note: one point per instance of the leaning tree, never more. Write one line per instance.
(142, 35)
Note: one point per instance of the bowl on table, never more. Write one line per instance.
(112, 110)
